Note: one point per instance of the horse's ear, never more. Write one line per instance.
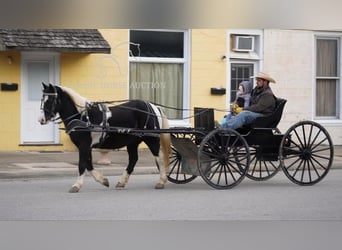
(51, 87)
(44, 86)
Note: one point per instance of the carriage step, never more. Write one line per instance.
(188, 151)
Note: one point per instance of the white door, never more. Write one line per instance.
(37, 68)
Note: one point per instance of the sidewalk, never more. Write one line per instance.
(40, 164)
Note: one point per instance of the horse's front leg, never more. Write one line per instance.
(85, 162)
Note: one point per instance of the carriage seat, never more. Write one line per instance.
(269, 121)
(204, 118)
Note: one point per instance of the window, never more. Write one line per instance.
(327, 78)
(158, 69)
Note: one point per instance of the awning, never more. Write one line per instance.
(58, 40)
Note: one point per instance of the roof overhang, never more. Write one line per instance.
(57, 40)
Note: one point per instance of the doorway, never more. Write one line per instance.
(37, 68)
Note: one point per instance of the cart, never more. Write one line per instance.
(224, 157)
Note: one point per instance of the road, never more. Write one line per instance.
(275, 199)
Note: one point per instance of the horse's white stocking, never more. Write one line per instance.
(99, 178)
(78, 184)
(162, 172)
(123, 181)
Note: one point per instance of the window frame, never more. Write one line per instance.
(185, 122)
(338, 78)
(255, 57)
(240, 62)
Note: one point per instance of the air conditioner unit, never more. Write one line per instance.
(243, 43)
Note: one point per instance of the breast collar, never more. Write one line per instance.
(106, 113)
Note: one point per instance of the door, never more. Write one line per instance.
(239, 72)
(37, 68)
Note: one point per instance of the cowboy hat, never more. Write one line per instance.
(264, 76)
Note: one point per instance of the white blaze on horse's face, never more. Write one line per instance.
(41, 118)
(48, 105)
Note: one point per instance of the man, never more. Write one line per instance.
(262, 102)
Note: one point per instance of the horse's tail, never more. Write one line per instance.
(165, 141)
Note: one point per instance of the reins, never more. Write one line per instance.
(160, 105)
(113, 104)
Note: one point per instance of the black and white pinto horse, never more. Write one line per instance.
(135, 114)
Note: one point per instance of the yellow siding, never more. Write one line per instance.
(9, 101)
(96, 76)
(99, 77)
(105, 77)
(208, 69)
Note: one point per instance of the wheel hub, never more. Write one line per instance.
(306, 154)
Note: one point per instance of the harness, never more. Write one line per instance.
(84, 122)
(150, 113)
(106, 114)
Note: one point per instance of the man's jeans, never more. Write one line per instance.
(245, 117)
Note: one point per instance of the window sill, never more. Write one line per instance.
(329, 122)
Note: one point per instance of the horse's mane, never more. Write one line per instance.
(79, 101)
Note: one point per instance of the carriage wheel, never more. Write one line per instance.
(175, 174)
(223, 158)
(306, 153)
(260, 168)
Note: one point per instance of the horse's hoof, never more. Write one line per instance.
(119, 185)
(74, 189)
(105, 182)
(159, 186)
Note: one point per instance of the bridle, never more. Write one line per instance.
(55, 100)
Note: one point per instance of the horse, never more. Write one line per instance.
(73, 108)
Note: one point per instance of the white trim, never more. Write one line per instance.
(256, 58)
(37, 56)
(258, 52)
(186, 81)
(156, 59)
(186, 71)
(326, 36)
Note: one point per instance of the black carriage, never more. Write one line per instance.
(223, 157)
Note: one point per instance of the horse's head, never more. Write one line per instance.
(49, 103)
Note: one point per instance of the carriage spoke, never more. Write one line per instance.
(299, 140)
(314, 168)
(317, 162)
(212, 173)
(303, 171)
(176, 174)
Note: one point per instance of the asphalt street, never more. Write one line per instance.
(275, 199)
(37, 208)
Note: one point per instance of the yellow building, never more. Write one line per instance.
(178, 68)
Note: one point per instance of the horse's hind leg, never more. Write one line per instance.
(162, 172)
(154, 146)
(132, 150)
